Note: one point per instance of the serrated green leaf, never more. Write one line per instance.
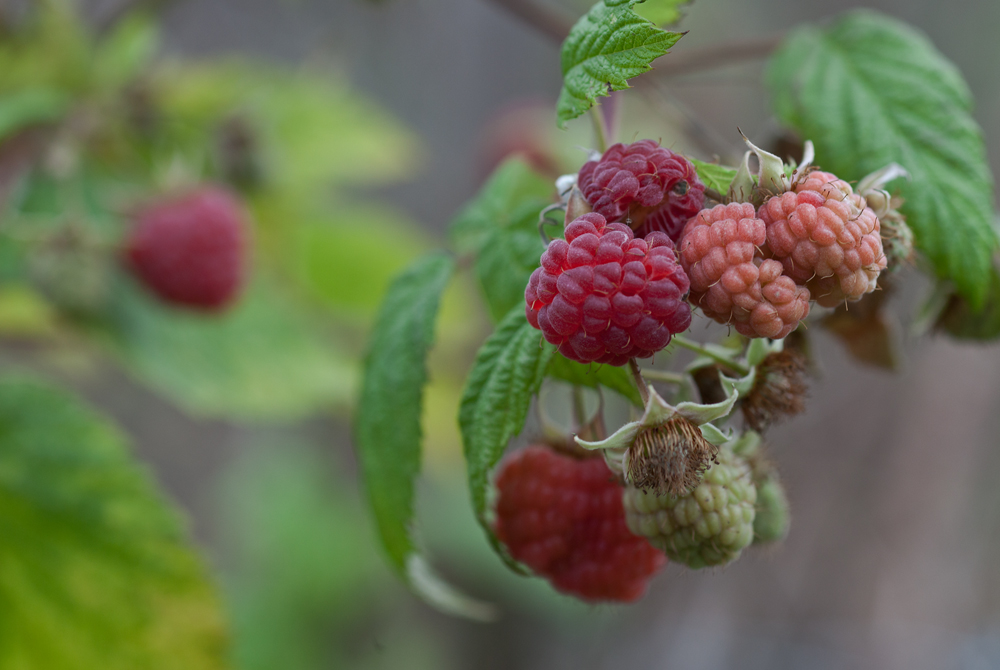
(661, 12)
(94, 567)
(870, 90)
(608, 46)
(593, 375)
(505, 376)
(263, 360)
(713, 175)
(387, 424)
(501, 228)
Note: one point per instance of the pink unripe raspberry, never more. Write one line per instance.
(826, 237)
(564, 519)
(645, 185)
(191, 250)
(603, 295)
(720, 249)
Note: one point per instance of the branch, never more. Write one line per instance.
(551, 23)
(556, 25)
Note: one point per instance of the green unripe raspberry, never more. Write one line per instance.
(772, 519)
(710, 525)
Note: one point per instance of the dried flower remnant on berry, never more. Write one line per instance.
(669, 458)
(778, 392)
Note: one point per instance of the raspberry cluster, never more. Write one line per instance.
(645, 185)
(826, 237)
(563, 518)
(602, 295)
(721, 250)
(191, 250)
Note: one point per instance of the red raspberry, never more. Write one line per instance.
(731, 282)
(191, 250)
(645, 185)
(825, 235)
(564, 518)
(602, 295)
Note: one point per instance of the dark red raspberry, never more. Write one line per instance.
(191, 250)
(564, 518)
(645, 185)
(603, 295)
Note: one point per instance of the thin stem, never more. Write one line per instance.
(717, 55)
(600, 134)
(703, 350)
(552, 24)
(665, 376)
(580, 413)
(633, 367)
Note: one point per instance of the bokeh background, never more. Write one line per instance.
(892, 557)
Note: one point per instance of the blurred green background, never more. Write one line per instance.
(355, 131)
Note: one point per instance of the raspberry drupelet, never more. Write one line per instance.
(826, 237)
(564, 518)
(721, 251)
(645, 185)
(191, 250)
(602, 295)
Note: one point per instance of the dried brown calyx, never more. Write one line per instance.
(669, 458)
(779, 390)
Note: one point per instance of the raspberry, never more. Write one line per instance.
(826, 236)
(191, 250)
(563, 518)
(603, 295)
(710, 525)
(772, 520)
(720, 249)
(644, 184)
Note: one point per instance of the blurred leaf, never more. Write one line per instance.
(870, 90)
(121, 56)
(314, 129)
(959, 320)
(94, 571)
(500, 226)
(387, 425)
(661, 12)
(506, 375)
(714, 176)
(30, 106)
(24, 313)
(302, 562)
(607, 47)
(262, 360)
(593, 375)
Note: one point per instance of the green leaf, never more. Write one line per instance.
(870, 90)
(505, 376)
(30, 106)
(713, 175)
(593, 375)
(959, 320)
(387, 424)
(262, 360)
(500, 226)
(607, 47)
(661, 12)
(95, 571)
